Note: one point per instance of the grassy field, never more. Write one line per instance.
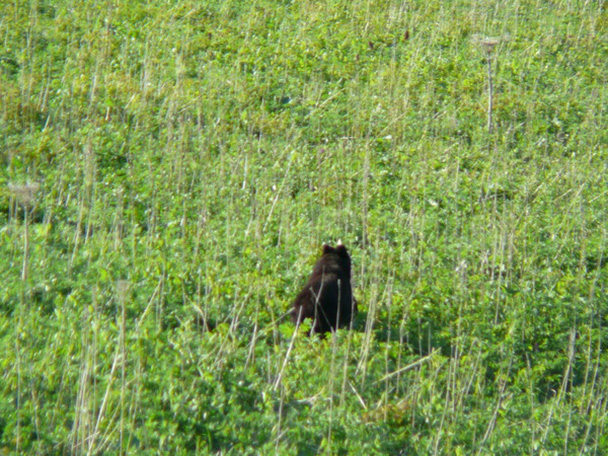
(170, 171)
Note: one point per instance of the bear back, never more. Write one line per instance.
(327, 297)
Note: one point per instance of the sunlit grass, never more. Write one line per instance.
(171, 171)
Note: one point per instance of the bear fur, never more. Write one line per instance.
(327, 297)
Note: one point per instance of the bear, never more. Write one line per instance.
(327, 297)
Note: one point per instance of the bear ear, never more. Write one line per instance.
(328, 249)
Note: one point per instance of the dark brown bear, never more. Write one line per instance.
(327, 298)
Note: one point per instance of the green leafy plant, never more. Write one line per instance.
(170, 171)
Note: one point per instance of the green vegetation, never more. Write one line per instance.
(170, 171)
